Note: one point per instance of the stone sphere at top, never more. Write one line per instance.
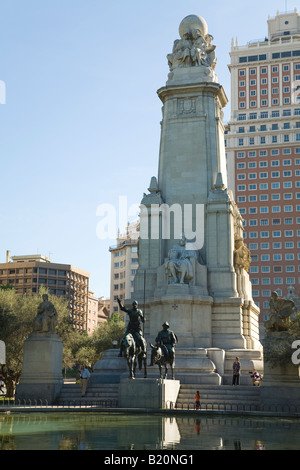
(193, 22)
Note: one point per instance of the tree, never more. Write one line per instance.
(106, 333)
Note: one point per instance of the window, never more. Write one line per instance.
(264, 222)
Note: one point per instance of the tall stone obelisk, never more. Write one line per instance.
(193, 262)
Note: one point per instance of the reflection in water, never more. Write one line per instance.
(116, 431)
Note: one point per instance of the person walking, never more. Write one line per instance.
(84, 378)
(236, 371)
(197, 400)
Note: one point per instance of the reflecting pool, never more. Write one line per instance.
(117, 431)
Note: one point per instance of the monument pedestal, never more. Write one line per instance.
(41, 377)
(281, 386)
(148, 393)
(110, 368)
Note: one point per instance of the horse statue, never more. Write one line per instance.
(133, 354)
(161, 356)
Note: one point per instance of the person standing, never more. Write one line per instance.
(236, 371)
(197, 400)
(84, 378)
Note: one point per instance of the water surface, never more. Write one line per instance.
(117, 431)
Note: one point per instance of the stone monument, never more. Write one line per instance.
(41, 377)
(281, 382)
(193, 262)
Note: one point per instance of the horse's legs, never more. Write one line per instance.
(145, 368)
(166, 371)
(159, 365)
(133, 366)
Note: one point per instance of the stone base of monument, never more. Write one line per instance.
(193, 365)
(206, 366)
(288, 375)
(148, 393)
(109, 368)
(41, 377)
(249, 358)
(281, 387)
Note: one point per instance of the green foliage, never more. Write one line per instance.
(112, 330)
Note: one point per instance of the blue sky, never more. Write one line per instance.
(81, 123)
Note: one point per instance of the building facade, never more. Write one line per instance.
(28, 273)
(263, 154)
(124, 264)
(98, 312)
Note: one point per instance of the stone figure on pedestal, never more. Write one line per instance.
(194, 49)
(41, 376)
(242, 257)
(179, 266)
(46, 318)
(280, 312)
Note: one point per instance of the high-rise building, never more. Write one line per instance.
(124, 264)
(28, 273)
(263, 154)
